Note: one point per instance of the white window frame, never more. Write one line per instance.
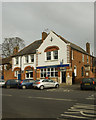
(26, 59)
(17, 60)
(50, 55)
(54, 54)
(16, 73)
(50, 71)
(75, 70)
(29, 75)
(82, 57)
(31, 58)
(72, 55)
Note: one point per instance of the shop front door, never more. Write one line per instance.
(64, 77)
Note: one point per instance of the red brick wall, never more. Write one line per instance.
(77, 60)
(8, 74)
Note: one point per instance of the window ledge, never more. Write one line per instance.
(51, 60)
(29, 63)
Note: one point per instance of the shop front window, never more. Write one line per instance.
(49, 72)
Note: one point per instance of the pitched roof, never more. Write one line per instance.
(30, 49)
(73, 46)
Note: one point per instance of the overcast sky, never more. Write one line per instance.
(27, 20)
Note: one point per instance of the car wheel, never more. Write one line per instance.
(24, 87)
(41, 87)
(57, 86)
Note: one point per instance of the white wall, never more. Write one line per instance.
(22, 64)
(62, 53)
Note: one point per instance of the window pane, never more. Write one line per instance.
(41, 74)
(32, 58)
(55, 54)
(31, 74)
(27, 75)
(48, 55)
(44, 74)
(52, 74)
(56, 74)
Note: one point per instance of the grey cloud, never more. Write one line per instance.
(74, 21)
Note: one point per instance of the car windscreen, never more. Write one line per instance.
(89, 80)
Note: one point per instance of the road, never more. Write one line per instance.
(62, 103)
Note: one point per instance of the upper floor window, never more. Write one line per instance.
(32, 58)
(48, 55)
(72, 55)
(87, 59)
(55, 54)
(17, 60)
(26, 59)
(82, 57)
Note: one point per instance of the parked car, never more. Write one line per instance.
(88, 83)
(12, 83)
(2, 82)
(26, 84)
(45, 83)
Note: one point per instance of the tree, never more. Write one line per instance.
(9, 44)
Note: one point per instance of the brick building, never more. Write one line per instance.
(53, 57)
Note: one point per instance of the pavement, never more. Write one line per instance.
(73, 87)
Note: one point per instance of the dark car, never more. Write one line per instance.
(26, 84)
(12, 83)
(88, 83)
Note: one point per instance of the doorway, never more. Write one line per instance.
(64, 77)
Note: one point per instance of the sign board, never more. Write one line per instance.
(62, 69)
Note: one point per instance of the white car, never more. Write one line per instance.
(2, 82)
(45, 83)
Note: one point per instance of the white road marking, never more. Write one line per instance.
(73, 116)
(82, 112)
(91, 97)
(79, 110)
(52, 98)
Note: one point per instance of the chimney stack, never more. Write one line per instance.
(88, 48)
(44, 35)
(15, 50)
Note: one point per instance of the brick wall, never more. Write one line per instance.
(77, 61)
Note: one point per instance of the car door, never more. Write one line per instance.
(45, 83)
(51, 83)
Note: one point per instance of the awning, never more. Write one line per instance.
(53, 66)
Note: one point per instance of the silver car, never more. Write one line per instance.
(45, 83)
